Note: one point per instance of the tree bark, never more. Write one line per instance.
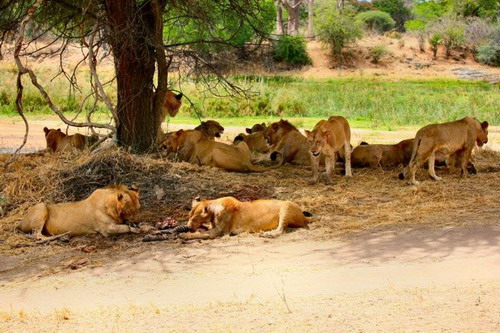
(310, 19)
(279, 18)
(131, 30)
(293, 9)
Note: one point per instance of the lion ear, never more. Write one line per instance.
(275, 126)
(195, 201)
(179, 132)
(46, 130)
(248, 130)
(484, 125)
(179, 96)
(134, 188)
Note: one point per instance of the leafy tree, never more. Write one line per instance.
(144, 36)
(397, 9)
(376, 20)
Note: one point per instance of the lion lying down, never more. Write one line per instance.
(102, 212)
(230, 216)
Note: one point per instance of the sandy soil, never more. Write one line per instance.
(408, 280)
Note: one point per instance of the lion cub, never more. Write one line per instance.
(327, 138)
(102, 212)
(230, 216)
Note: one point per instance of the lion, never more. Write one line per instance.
(236, 157)
(210, 128)
(328, 138)
(378, 155)
(104, 212)
(456, 138)
(256, 128)
(254, 138)
(288, 143)
(58, 142)
(171, 105)
(229, 216)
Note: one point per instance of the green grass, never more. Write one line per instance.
(365, 102)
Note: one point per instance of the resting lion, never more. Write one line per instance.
(59, 142)
(236, 157)
(286, 141)
(102, 212)
(228, 216)
(254, 139)
(378, 155)
(328, 138)
(456, 138)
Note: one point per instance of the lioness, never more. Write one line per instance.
(210, 128)
(457, 137)
(256, 128)
(236, 157)
(230, 216)
(102, 212)
(288, 143)
(58, 142)
(255, 141)
(327, 138)
(377, 155)
(171, 105)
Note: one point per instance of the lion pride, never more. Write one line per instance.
(328, 138)
(456, 138)
(104, 212)
(288, 143)
(229, 216)
(58, 142)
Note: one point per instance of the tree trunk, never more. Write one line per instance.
(279, 18)
(293, 17)
(131, 30)
(310, 19)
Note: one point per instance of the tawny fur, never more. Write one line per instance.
(286, 142)
(58, 142)
(230, 216)
(102, 212)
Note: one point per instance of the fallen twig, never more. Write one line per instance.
(50, 239)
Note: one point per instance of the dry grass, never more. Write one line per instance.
(371, 199)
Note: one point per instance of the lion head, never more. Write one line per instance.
(256, 128)
(277, 130)
(121, 202)
(172, 103)
(482, 133)
(211, 128)
(317, 138)
(172, 141)
(201, 212)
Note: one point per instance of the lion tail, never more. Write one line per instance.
(416, 144)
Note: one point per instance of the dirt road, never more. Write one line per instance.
(416, 280)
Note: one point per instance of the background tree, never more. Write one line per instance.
(145, 37)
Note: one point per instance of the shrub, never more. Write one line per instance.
(335, 29)
(417, 28)
(452, 30)
(377, 52)
(393, 34)
(434, 41)
(477, 32)
(292, 50)
(397, 9)
(489, 54)
(376, 20)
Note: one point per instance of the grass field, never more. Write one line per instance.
(367, 102)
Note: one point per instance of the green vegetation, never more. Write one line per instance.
(292, 50)
(396, 8)
(365, 102)
(377, 52)
(376, 20)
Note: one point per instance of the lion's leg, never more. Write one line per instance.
(330, 168)
(284, 218)
(114, 229)
(432, 169)
(315, 169)
(210, 234)
(347, 152)
(35, 220)
(464, 162)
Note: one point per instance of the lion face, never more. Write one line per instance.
(171, 143)
(317, 140)
(256, 128)
(172, 103)
(482, 134)
(212, 128)
(122, 202)
(271, 134)
(199, 214)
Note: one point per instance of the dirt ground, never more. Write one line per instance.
(380, 255)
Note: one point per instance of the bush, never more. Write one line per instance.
(377, 52)
(477, 32)
(376, 20)
(335, 29)
(417, 27)
(435, 40)
(489, 54)
(452, 30)
(292, 50)
(397, 9)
